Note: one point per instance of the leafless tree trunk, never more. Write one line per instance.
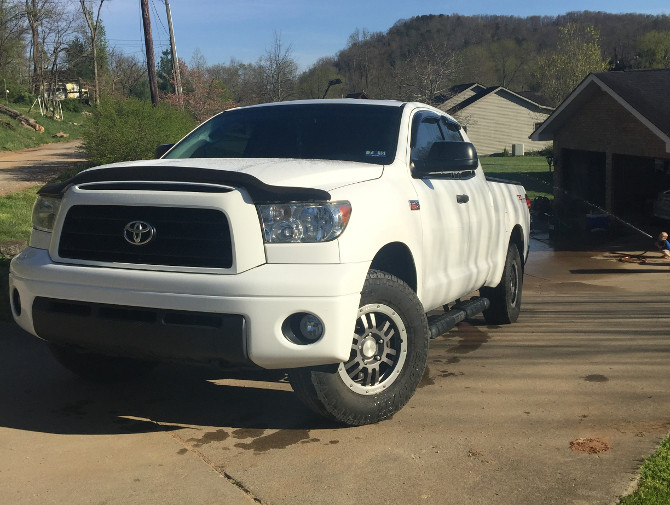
(426, 73)
(93, 26)
(280, 71)
(34, 18)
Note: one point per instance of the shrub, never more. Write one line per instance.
(22, 97)
(131, 129)
(72, 105)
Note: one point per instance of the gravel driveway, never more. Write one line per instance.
(37, 165)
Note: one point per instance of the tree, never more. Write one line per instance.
(12, 31)
(314, 82)
(510, 58)
(56, 31)
(51, 25)
(426, 73)
(125, 73)
(34, 14)
(279, 72)
(577, 54)
(93, 29)
(165, 72)
(202, 95)
(654, 49)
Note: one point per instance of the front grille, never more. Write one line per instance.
(183, 236)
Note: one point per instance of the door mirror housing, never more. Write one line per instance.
(161, 150)
(447, 156)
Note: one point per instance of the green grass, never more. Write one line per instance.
(19, 137)
(15, 224)
(654, 487)
(15, 215)
(532, 172)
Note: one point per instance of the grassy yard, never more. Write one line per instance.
(15, 224)
(654, 488)
(530, 171)
(17, 137)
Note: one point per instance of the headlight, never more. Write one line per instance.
(303, 222)
(45, 211)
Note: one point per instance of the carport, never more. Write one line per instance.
(612, 142)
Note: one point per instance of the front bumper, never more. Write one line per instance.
(188, 316)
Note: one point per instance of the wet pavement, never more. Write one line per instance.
(559, 408)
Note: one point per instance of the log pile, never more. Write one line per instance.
(24, 121)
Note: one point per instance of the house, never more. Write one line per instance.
(497, 118)
(612, 141)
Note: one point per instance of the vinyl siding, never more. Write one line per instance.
(456, 99)
(499, 120)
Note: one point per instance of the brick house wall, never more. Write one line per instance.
(601, 124)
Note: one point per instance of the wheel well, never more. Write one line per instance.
(517, 240)
(396, 259)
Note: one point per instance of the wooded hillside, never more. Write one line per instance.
(492, 50)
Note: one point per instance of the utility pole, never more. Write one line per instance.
(173, 49)
(149, 45)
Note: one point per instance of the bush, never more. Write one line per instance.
(22, 97)
(544, 152)
(72, 105)
(131, 129)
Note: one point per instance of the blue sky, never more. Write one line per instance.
(244, 29)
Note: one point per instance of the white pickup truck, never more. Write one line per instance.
(311, 236)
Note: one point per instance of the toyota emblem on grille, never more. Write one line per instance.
(138, 232)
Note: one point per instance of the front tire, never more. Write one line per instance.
(388, 357)
(505, 298)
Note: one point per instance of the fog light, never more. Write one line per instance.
(303, 328)
(16, 302)
(311, 327)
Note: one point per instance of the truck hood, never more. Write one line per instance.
(318, 174)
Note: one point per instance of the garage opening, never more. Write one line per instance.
(636, 182)
(584, 175)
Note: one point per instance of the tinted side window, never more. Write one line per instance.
(427, 128)
(451, 130)
(425, 131)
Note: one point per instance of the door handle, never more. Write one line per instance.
(462, 198)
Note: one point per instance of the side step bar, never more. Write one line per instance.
(461, 310)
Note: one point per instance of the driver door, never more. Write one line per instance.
(445, 216)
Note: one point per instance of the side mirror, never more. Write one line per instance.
(161, 150)
(447, 156)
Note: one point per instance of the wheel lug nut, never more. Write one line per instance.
(377, 358)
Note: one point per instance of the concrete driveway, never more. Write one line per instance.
(492, 422)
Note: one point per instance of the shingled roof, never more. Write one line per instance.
(647, 91)
(644, 93)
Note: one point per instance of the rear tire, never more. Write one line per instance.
(99, 367)
(505, 298)
(388, 357)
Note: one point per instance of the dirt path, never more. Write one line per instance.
(30, 167)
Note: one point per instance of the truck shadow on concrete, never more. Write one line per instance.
(38, 394)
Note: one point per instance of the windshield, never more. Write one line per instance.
(347, 132)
